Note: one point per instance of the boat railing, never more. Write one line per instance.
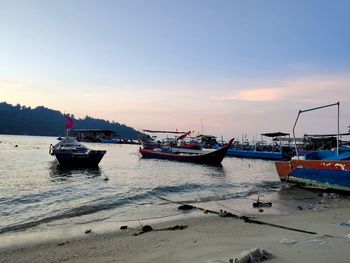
(312, 109)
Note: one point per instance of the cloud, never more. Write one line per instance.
(315, 89)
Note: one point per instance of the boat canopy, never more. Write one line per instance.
(156, 131)
(326, 135)
(275, 134)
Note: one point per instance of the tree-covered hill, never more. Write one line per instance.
(22, 120)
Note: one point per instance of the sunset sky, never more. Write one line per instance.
(232, 67)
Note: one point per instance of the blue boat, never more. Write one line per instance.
(267, 155)
(266, 152)
(343, 153)
(325, 169)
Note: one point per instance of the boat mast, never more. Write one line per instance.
(317, 108)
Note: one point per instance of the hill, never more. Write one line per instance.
(22, 120)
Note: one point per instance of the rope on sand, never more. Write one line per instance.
(246, 219)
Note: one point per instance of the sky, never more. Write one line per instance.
(222, 67)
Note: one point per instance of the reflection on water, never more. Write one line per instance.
(61, 173)
(216, 170)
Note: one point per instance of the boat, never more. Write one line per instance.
(69, 152)
(214, 157)
(179, 142)
(266, 152)
(266, 155)
(320, 169)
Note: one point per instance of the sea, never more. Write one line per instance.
(40, 200)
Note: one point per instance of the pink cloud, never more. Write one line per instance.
(316, 89)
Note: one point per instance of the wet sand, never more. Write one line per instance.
(211, 238)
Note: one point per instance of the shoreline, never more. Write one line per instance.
(284, 201)
(207, 237)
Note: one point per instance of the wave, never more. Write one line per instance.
(138, 196)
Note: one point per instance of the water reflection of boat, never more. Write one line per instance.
(63, 173)
(69, 152)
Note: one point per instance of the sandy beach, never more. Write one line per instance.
(207, 237)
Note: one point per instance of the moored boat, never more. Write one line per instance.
(317, 173)
(69, 152)
(202, 157)
(321, 169)
(267, 155)
(179, 142)
(277, 151)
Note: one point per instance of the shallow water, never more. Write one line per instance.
(35, 193)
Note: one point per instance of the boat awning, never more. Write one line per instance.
(95, 130)
(275, 134)
(206, 136)
(326, 135)
(155, 131)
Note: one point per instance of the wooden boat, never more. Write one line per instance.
(69, 152)
(322, 169)
(177, 142)
(201, 157)
(317, 173)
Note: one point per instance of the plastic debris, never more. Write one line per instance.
(288, 241)
(306, 241)
(88, 231)
(255, 255)
(177, 227)
(347, 224)
(224, 213)
(123, 227)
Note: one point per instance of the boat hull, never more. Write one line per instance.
(89, 159)
(257, 154)
(318, 173)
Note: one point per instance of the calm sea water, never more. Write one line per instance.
(36, 194)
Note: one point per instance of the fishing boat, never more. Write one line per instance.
(322, 169)
(266, 152)
(179, 142)
(214, 157)
(69, 152)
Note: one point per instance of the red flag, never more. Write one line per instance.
(70, 122)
